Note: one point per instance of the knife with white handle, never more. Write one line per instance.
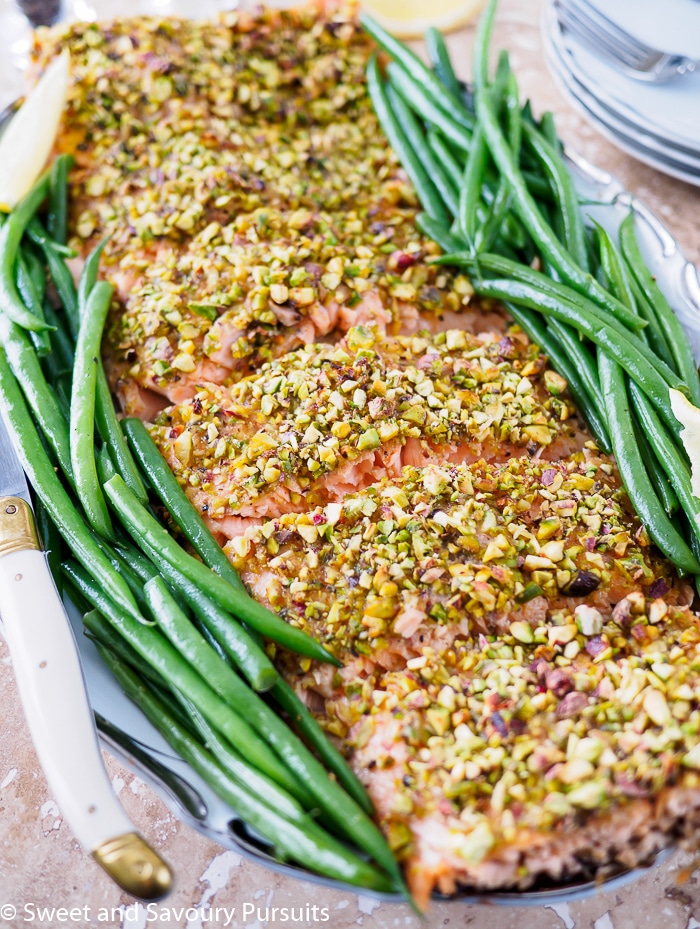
(52, 690)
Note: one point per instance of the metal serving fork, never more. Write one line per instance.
(608, 40)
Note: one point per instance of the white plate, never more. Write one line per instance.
(572, 83)
(669, 110)
(642, 146)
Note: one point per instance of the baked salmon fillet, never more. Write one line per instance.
(391, 466)
(251, 201)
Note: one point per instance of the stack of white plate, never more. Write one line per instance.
(657, 123)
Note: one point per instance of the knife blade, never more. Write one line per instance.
(54, 698)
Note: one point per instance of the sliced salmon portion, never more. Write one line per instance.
(331, 419)
(498, 626)
(238, 295)
(441, 553)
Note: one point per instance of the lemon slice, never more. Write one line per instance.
(409, 19)
(689, 417)
(26, 144)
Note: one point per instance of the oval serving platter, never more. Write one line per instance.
(126, 733)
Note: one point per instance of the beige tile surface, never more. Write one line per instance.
(41, 865)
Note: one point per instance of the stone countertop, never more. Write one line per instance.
(41, 864)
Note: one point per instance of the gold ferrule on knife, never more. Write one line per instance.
(135, 866)
(17, 529)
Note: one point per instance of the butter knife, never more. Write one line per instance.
(52, 690)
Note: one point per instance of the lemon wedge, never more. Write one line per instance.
(26, 144)
(409, 19)
(689, 417)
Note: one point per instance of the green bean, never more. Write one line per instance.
(61, 343)
(209, 639)
(46, 484)
(632, 470)
(99, 631)
(500, 206)
(105, 465)
(57, 218)
(11, 233)
(438, 233)
(224, 681)
(109, 428)
(309, 845)
(36, 290)
(74, 595)
(480, 52)
(119, 564)
(386, 114)
(37, 271)
(634, 356)
(475, 169)
(32, 301)
(82, 412)
(549, 130)
(587, 405)
(501, 79)
(542, 235)
(654, 336)
(469, 192)
(59, 272)
(664, 491)
(102, 631)
(331, 799)
(240, 645)
(440, 58)
(42, 400)
(236, 642)
(143, 527)
(498, 264)
(301, 718)
(615, 276)
(88, 278)
(668, 322)
(50, 542)
(442, 151)
(581, 356)
(566, 198)
(538, 186)
(669, 456)
(136, 559)
(178, 629)
(236, 767)
(63, 387)
(421, 149)
(178, 504)
(441, 98)
(413, 94)
(160, 654)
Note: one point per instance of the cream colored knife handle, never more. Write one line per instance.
(51, 686)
